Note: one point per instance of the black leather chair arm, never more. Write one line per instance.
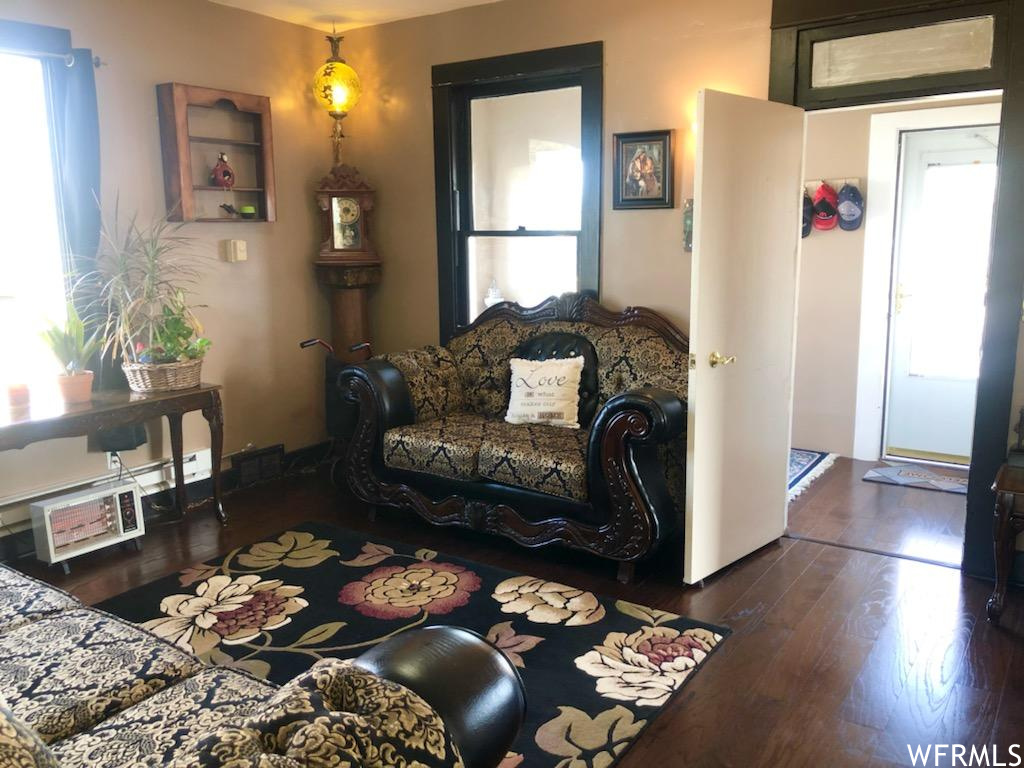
(471, 685)
(624, 466)
(664, 412)
(381, 384)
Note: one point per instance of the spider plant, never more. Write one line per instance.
(139, 285)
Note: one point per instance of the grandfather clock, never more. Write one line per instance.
(347, 262)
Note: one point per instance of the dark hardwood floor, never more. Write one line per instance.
(838, 658)
(840, 507)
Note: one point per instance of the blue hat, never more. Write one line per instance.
(808, 215)
(851, 208)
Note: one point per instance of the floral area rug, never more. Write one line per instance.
(596, 671)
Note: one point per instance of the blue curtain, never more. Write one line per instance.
(76, 133)
(75, 128)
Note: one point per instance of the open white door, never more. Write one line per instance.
(746, 235)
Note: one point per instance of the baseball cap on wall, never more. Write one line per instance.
(825, 213)
(850, 207)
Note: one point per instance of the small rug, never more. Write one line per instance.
(596, 670)
(805, 467)
(917, 476)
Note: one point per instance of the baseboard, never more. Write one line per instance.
(20, 544)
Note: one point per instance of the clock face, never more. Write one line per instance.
(346, 210)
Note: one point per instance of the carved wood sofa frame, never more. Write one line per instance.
(633, 512)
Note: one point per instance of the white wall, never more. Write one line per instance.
(831, 285)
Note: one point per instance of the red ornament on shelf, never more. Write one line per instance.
(222, 175)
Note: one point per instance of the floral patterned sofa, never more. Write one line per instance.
(426, 430)
(79, 687)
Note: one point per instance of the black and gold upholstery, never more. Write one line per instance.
(448, 446)
(336, 714)
(433, 381)
(23, 600)
(66, 672)
(167, 724)
(83, 689)
(467, 446)
(536, 456)
(435, 416)
(20, 747)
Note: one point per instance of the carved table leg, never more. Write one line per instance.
(214, 415)
(1004, 530)
(180, 499)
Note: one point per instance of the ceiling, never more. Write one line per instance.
(323, 14)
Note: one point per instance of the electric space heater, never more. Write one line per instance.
(76, 523)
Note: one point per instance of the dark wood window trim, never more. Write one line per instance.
(1006, 270)
(454, 86)
(791, 61)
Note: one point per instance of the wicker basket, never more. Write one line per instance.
(162, 377)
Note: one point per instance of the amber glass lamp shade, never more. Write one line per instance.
(336, 86)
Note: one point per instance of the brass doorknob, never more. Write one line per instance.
(717, 358)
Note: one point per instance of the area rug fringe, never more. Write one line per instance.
(823, 466)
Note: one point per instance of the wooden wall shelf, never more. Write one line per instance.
(196, 124)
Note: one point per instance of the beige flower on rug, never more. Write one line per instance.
(647, 666)
(503, 637)
(294, 549)
(195, 573)
(588, 742)
(548, 602)
(226, 610)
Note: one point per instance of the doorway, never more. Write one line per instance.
(941, 249)
(889, 324)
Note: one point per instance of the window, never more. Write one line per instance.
(517, 145)
(900, 55)
(32, 272)
(959, 45)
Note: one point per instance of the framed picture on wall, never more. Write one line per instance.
(643, 170)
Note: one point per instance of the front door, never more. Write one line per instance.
(747, 207)
(940, 270)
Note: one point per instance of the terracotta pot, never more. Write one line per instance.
(77, 388)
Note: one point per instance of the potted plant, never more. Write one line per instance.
(140, 283)
(70, 346)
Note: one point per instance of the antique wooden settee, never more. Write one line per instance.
(427, 432)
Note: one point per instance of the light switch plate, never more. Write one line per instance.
(233, 250)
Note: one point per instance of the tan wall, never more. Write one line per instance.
(657, 53)
(828, 320)
(258, 309)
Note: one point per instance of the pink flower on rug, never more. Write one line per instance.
(394, 591)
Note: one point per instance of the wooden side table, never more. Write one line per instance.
(1008, 523)
(50, 419)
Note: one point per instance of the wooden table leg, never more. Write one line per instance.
(180, 498)
(214, 415)
(1004, 536)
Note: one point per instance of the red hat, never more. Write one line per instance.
(825, 211)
